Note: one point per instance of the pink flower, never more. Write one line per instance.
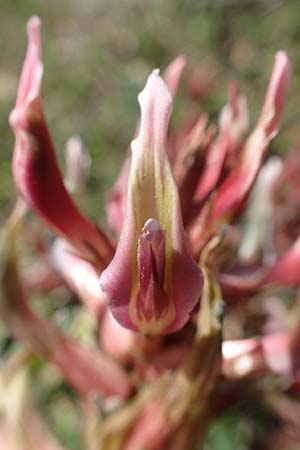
(152, 283)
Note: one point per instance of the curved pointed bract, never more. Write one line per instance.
(35, 169)
(152, 282)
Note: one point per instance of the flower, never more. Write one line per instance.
(176, 193)
(152, 283)
(151, 279)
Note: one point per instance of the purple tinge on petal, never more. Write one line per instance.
(152, 300)
(35, 169)
(152, 282)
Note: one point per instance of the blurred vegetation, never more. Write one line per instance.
(97, 55)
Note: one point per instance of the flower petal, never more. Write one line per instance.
(276, 353)
(285, 271)
(152, 282)
(238, 185)
(258, 231)
(87, 369)
(233, 127)
(173, 74)
(80, 275)
(78, 163)
(115, 206)
(36, 172)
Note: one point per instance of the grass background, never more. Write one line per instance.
(97, 55)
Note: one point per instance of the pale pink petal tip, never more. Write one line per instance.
(154, 89)
(276, 94)
(32, 72)
(156, 104)
(33, 27)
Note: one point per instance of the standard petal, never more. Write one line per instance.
(152, 282)
(115, 206)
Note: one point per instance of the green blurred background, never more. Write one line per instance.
(97, 55)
